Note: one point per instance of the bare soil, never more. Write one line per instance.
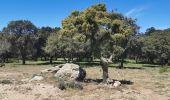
(137, 84)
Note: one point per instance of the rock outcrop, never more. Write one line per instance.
(67, 72)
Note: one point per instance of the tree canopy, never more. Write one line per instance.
(22, 36)
(94, 30)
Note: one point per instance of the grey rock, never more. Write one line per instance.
(70, 72)
(37, 78)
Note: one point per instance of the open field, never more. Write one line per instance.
(140, 83)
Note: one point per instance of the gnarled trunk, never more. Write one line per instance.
(105, 71)
(105, 62)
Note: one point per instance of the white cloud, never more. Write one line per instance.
(135, 12)
(130, 12)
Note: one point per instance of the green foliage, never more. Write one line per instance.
(5, 47)
(2, 64)
(74, 85)
(93, 31)
(22, 37)
(157, 46)
(163, 69)
(43, 35)
(150, 30)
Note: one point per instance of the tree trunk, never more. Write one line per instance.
(136, 59)
(105, 62)
(23, 60)
(41, 59)
(23, 55)
(121, 63)
(65, 59)
(51, 60)
(45, 58)
(105, 72)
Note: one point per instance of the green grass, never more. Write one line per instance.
(127, 64)
(163, 69)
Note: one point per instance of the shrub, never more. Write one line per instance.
(73, 85)
(61, 85)
(2, 64)
(163, 69)
(5, 82)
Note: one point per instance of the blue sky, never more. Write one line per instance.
(51, 12)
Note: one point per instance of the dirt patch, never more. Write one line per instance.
(148, 84)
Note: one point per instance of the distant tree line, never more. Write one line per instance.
(152, 47)
(84, 36)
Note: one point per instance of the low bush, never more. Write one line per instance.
(5, 82)
(61, 85)
(163, 69)
(73, 85)
(2, 64)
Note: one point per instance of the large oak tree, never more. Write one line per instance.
(22, 36)
(98, 29)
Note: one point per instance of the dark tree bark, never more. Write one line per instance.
(23, 57)
(23, 60)
(65, 59)
(122, 59)
(121, 63)
(51, 60)
(136, 59)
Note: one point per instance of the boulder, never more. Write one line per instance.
(53, 69)
(70, 72)
(37, 78)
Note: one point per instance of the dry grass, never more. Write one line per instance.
(148, 84)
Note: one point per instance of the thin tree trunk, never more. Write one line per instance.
(121, 63)
(23, 60)
(45, 58)
(136, 59)
(51, 60)
(65, 59)
(23, 57)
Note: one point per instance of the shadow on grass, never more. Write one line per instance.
(98, 81)
(88, 64)
(118, 67)
(41, 63)
(82, 64)
(141, 68)
(150, 65)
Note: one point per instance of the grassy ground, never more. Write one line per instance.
(139, 82)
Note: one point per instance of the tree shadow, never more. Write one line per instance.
(141, 68)
(151, 66)
(98, 81)
(118, 67)
(41, 63)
